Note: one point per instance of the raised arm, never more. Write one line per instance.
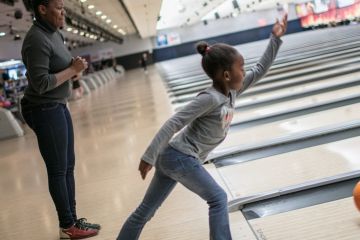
(202, 104)
(262, 66)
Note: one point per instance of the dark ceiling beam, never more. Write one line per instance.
(129, 16)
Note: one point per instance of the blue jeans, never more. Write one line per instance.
(173, 166)
(53, 127)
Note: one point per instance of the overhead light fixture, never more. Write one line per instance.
(17, 37)
(77, 24)
(2, 34)
(122, 31)
(91, 6)
(82, 1)
(181, 8)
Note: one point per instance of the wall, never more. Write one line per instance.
(250, 35)
(10, 49)
(219, 27)
(132, 44)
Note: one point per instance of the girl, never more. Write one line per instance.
(207, 119)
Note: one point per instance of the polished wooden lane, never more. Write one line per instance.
(337, 220)
(279, 93)
(291, 169)
(295, 125)
(244, 115)
(298, 89)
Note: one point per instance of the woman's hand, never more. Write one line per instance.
(77, 77)
(79, 64)
(279, 28)
(144, 168)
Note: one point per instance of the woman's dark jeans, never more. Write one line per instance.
(53, 127)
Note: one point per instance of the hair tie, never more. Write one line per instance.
(207, 49)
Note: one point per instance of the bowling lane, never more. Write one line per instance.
(311, 70)
(317, 41)
(329, 82)
(271, 131)
(336, 220)
(286, 91)
(292, 168)
(200, 81)
(309, 101)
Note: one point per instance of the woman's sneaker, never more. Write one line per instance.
(84, 223)
(77, 232)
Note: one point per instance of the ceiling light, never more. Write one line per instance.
(115, 26)
(181, 8)
(91, 6)
(108, 21)
(98, 12)
(82, 1)
(76, 31)
(69, 29)
(82, 33)
(103, 17)
(2, 34)
(122, 31)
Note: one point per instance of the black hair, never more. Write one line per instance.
(35, 6)
(215, 58)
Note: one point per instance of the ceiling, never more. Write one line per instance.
(227, 9)
(175, 13)
(123, 16)
(109, 15)
(182, 12)
(9, 23)
(142, 17)
(144, 14)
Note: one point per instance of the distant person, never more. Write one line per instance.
(5, 76)
(91, 68)
(207, 119)
(50, 68)
(115, 66)
(143, 62)
(4, 103)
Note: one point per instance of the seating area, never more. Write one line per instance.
(11, 120)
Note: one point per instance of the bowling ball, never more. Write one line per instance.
(356, 195)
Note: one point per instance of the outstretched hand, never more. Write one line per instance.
(144, 168)
(280, 27)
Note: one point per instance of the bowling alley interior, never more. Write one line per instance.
(180, 119)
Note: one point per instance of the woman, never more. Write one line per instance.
(50, 68)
